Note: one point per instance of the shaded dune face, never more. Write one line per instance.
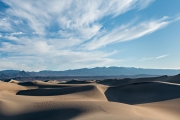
(126, 81)
(76, 82)
(27, 84)
(52, 92)
(174, 79)
(41, 85)
(52, 114)
(145, 92)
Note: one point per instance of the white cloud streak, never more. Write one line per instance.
(162, 56)
(126, 34)
(153, 58)
(145, 3)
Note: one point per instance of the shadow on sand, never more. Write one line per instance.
(41, 86)
(144, 92)
(55, 114)
(55, 91)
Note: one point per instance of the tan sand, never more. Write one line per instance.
(10, 86)
(14, 81)
(40, 100)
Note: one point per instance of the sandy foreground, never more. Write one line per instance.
(52, 100)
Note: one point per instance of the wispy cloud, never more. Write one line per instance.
(145, 3)
(37, 54)
(162, 56)
(153, 58)
(16, 33)
(5, 25)
(68, 15)
(145, 59)
(126, 33)
(46, 57)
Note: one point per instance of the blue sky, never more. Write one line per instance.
(71, 34)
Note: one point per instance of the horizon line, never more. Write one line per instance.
(97, 67)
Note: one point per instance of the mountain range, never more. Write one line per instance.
(98, 71)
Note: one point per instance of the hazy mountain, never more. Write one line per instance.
(110, 71)
(98, 71)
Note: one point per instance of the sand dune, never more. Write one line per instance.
(53, 81)
(131, 100)
(174, 79)
(77, 82)
(10, 86)
(14, 81)
(126, 81)
(85, 91)
(42, 84)
(143, 92)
